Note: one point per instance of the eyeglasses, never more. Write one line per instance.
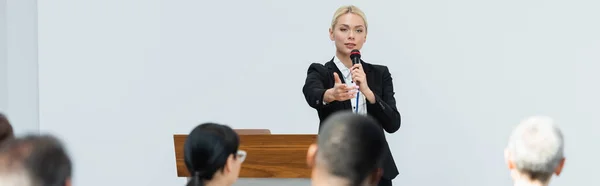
(241, 155)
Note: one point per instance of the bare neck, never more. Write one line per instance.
(217, 182)
(523, 180)
(345, 59)
(529, 183)
(323, 178)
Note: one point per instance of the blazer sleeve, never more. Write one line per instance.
(384, 109)
(314, 86)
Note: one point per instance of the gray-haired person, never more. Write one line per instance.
(535, 151)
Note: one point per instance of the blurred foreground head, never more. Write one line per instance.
(34, 160)
(535, 151)
(6, 130)
(349, 151)
(212, 156)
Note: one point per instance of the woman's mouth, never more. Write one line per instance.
(350, 45)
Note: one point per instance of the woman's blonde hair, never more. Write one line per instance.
(347, 10)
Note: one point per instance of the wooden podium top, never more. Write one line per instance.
(269, 155)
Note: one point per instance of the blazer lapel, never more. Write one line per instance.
(332, 68)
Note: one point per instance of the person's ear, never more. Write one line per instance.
(311, 154)
(375, 176)
(558, 169)
(68, 182)
(229, 165)
(331, 34)
(507, 158)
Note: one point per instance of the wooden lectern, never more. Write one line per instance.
(269, 155)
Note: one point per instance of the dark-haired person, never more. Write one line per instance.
(6, 129)
(348, 152)
(212, 156)
(41, 159)
(338, 83)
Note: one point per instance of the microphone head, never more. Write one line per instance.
(355, 54)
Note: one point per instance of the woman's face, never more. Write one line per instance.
(349, 33)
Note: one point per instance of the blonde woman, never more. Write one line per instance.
(363, 88)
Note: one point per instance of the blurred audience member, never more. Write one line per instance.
(6, 130)
(40, 159)
(14, 174)
(349, 151)
(535, 152)
(212, 156)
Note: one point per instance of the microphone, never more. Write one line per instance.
(355, 56)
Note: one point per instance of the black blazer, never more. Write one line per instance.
(379, 79)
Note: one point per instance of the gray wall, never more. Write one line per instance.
(118, 78)
(3, 59)
(18, 64)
